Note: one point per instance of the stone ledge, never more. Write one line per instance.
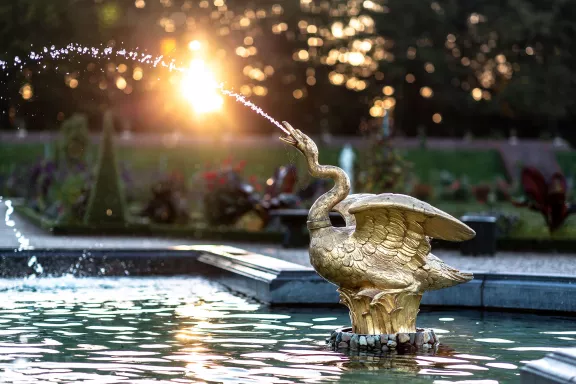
(279, 282)
(543, 293)
(267, 279)
(510, 291)
(463, 295)
(99, 262)
(555, 368)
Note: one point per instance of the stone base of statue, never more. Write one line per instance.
(422, 340)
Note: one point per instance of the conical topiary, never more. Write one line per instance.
(107, 204)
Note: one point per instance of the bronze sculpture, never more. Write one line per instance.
(381, 259)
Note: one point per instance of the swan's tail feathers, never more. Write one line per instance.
(443, 276)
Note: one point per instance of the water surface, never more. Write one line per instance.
(189, 330)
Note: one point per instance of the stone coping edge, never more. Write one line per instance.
(277, 282)
(259, 276)
(556, 367)
(99, 262)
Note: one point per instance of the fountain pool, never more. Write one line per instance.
(190, 330)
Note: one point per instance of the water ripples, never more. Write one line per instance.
(186, 330)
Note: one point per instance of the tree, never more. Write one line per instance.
(455, 63)
(41, 92)
(450, 65)
(107, 204)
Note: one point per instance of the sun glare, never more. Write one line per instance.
(200, 88)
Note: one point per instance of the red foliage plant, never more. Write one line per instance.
(219, 177)
(547, 197)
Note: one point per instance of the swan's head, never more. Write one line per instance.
(300, 141)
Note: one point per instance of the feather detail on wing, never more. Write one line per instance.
(398, 227)
(435, 223)
(343, 206)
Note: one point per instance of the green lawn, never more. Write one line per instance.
(479, 166)
(17, 155)
(259, 161)
(146, 162)
(567, 161)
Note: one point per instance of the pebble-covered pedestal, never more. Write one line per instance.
(421, 340)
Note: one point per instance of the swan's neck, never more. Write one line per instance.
(319, 213)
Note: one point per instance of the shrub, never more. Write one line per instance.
(461, 190)
(481, 193)
(74, 141)
(422, 191)
(382, 168)
(227, 196)
(446, 178)
(106, 203)
(42, 178)
(71, 198)
(506, 224)
(458, 190)
(503, 190)
(169, 203)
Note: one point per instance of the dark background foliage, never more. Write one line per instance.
(493, 66)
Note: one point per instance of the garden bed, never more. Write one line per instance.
(141, 229)
(463, 187)
(514, 244)
(147, 163)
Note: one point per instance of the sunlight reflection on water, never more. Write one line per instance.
(182, 330)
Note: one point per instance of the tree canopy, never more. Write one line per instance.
(450, 66)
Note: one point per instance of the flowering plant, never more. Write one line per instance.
(226, 195)
(169, 202)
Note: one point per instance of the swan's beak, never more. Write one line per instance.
(289, 138)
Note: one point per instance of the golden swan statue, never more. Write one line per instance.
(381, 259)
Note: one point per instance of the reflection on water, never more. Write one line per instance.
(189, 330)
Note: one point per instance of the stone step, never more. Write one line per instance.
(557, 367)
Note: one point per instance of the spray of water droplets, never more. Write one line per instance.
(241, 99)
(136, 56)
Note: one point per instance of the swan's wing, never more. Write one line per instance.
(343, 206)
(435, 223)
(398, 227)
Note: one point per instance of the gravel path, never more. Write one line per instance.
(17, 233)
